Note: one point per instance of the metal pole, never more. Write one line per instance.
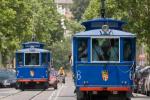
(103, 8)
(33, 37)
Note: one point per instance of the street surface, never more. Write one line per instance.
(64, 92)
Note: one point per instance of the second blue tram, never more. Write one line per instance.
(32, 65)
(103, 60)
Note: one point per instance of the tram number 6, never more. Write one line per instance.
(78, 75)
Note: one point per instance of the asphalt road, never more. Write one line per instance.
(64, 92)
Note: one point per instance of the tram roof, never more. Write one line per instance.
(99, 32)
(98, 22)
(31, 50)
(35, 44)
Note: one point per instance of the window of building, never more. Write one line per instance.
(31, 59)
(82, 50)
(105, 49)
(127, 54)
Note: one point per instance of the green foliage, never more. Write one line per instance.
(61, 50)
(135, 12)
(19, 19)
(78, 8)
(74, 26)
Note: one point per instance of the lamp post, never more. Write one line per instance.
(103, 8)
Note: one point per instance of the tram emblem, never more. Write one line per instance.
(105, 75)
(31, 73)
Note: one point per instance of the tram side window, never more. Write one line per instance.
(44, 58)
(32, 59)
(127, 55)
(19, 59)
(105, 49)
(82, 50)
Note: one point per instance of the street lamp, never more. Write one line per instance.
(103, 8)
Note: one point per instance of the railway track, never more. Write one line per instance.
(10, 95)
(20, 92)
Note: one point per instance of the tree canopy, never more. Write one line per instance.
(19, 19)
(78, 8)
(134, 12)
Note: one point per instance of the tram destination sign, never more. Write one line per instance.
(100, 24)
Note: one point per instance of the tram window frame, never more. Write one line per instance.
(21, 58)
(32, 53)
(105, 61)
(131, 49)
(80, 41)
(47, 58)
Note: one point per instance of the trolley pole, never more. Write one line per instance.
(103, 8)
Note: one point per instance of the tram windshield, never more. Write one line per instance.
(127, 55)
(19, 59)
(82, 50)
(44, 58)
(105, 49)
(31, 59)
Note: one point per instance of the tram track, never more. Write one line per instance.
(20, 92)
(36, 95)
(10, 95)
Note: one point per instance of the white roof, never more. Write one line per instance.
(32, 50)
(99, 32)
(63, 1)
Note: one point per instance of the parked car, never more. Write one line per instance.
(53, 80)
(7, 78)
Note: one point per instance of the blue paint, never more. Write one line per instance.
(90, 73)
(40, 71)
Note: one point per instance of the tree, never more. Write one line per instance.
(78, 8)
(19, 19)
(134, 12)
(60, 52)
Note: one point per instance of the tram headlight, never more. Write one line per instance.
(32, 73)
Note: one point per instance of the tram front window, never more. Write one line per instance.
(105, 49)
(44, 58)
(127, 55)
(82, 50)
(19, 59)
(32, 59)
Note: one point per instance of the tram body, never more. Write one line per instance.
(109, 69)
(32, 65)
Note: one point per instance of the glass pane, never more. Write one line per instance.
(19, 59)
(127, 55)
(44, 58)
(32, 59)
(105, 49)
(82, 50)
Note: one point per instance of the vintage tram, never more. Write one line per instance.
(32, 66)
(103, 60)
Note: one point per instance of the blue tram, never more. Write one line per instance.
(32, 65)
(103, 60)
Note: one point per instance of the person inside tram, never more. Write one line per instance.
(113, 52)
(127, 52)
(97, 52)
(82, 50)
(33, 60)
